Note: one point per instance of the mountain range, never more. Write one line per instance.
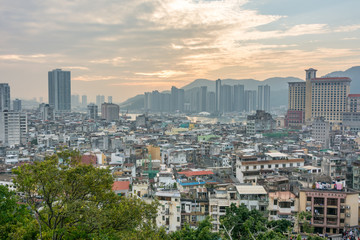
(278, 85)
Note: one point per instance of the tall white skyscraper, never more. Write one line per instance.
(4, 97)
(59, 90)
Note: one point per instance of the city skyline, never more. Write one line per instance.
(128, 48)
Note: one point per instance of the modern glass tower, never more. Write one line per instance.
(59, 85)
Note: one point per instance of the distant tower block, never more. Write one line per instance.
(310, 74)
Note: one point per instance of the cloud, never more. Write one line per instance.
(90, 78)
(25, 58)
(163, 74)
(347, 28)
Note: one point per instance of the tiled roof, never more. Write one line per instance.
(354, 95)
(120, 185)
(196, 173)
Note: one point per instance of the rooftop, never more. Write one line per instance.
(120, 185)
(250, 189)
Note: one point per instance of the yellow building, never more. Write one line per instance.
(319, 97)
(332, 210)
(154, 151)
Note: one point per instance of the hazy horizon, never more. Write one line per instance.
(124, 48)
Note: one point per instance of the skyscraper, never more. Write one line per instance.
(250, 100)
(75, 100)
(218, 95)
(84, 101)
(324, 97)
(203, 95)
(110, 112)
(59, 86)
(4, 97)
(100, 99)
(92, 111)
(109, 99)
(263, 102)
(239, 98)
(177, 99)
(17, 105)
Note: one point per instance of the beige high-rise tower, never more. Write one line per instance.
(310, 74)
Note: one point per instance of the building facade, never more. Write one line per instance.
(4, 97)
(59, 88)
(110, 112)
(13, 128)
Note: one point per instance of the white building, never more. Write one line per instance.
(13, 128)
(249, 168)
(169, 212)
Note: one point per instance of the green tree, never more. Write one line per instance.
(202, 232)
(241, 223)
(71, 200)
(303, 221)
(16, 221)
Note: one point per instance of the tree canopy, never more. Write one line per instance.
(71, 200)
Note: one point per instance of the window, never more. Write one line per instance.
(308, 199)
(275, 201)
(342, 200)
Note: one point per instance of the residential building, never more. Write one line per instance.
(263, 102)
(249, 168)
(169, 212)
(321, 131)
(4, 96)
(46, 112)
(218, 96)
(353, 103)
(59, 86)
(84, 101)
(259, 122)
(13, 128)
(283, 205)
(110, 112)
(92, 111)
(17, 105)
(332, 210)
(250, 100)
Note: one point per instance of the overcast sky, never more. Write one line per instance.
(125, 47)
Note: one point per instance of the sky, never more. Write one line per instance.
(126, 47)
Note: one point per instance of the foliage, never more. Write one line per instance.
(16, 221)
(75, 201)
(203, 232)
(241, 223)
(303, 219)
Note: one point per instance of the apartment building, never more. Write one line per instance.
(283, 205)
(219, 200)
(169, 212)
(332, 210)
(250, 168)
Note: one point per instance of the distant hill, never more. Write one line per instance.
(353, 73)
(279, 87)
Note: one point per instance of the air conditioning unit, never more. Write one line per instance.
(348, 215)
(342, 207)
(347, 207)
